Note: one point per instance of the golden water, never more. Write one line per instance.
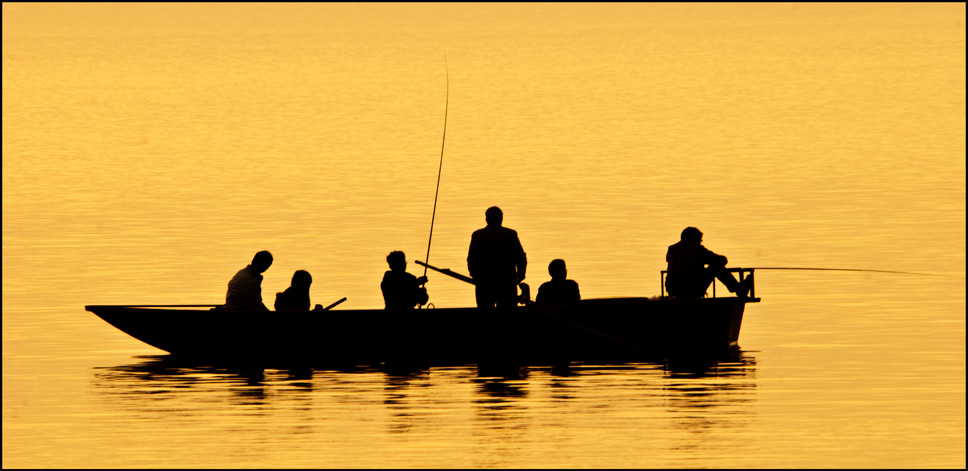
(149, 150)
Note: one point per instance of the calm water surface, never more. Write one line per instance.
(150, 149)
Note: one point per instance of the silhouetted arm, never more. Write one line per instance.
(253, 291)
(522, 262)
(385, 288)
(540, 298)
(473, 258)
(712, 258)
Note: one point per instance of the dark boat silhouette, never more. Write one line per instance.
(590, 330)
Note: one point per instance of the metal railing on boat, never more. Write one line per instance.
(744, 273)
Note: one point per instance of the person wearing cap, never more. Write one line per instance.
(693, 267)
(496, 261)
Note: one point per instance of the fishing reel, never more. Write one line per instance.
(525, 296)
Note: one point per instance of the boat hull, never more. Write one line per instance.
(596, 330)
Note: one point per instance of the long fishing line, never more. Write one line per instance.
(439, 167)
(854, 269)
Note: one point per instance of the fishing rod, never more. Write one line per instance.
(853, 269)
(439, 167)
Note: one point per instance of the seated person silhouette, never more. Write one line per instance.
(296, 296)
(693, 267)
(402, 290)
(245, 288)
(559, 290)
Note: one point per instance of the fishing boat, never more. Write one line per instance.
(590, 330)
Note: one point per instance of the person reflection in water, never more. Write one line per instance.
(496, 261)
(245, 288)
(693, 267)
(402, 290)
(296, 296)
(559, 290)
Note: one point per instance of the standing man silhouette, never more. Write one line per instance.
(496, 261)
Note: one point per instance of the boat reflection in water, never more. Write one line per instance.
(693, 395)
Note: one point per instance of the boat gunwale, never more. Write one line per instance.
(589, 302)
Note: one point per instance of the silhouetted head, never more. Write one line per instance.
(397, 260)
(302, 279)
(494, 216)
(262, 261)
(691, 234)
(557, 269)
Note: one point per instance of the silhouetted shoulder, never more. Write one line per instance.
(401, 291)
(558, 292)
(292, 300)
